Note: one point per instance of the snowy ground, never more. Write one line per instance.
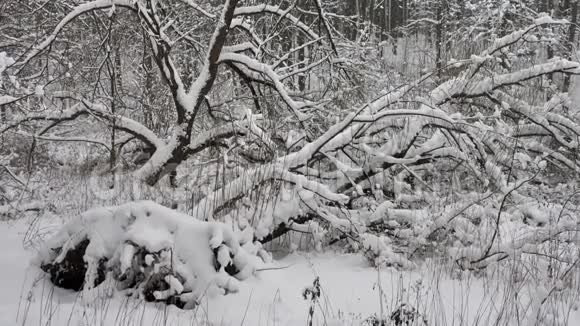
(274, 297)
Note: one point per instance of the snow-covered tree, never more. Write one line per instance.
(261, 98)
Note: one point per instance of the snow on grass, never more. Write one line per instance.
(350, 294)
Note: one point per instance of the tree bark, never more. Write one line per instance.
(161, 163)
(439, 38)
(571, 39)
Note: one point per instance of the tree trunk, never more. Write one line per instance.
(571, 40)
(439, 38)
(166, 159)
(550, 51)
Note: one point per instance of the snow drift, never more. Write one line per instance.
(151, 251)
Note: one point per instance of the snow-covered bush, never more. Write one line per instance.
(151, 250)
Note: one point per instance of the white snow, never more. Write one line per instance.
(39, 90)
(545, 19)
(348, 283)
(127, 257)
(175, 287)
(5, 61)
(427, 237)
(155, 228)
(6, 99)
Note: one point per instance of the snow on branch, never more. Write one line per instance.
(475, 258)
(197, 7)
(188, 103)
(76, 12)
(248, 28)
(161, 46)
(125, 124)
(11, 212)
(11, 174)
(343, 132)
(242, 47)
(66, 139)
(305, 68)
(267, 70)
(66, 115)
(290, 52)
(516, 36)
(423, 112)
(7, 99)
(213, 135)
(236, 189)
(326, 25)
(509, 40)
(202, 85)
(544, 151)
(466, 88)
(87, 109)
(548, 121)
(275, 10)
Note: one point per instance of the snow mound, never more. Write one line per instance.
(160, 254)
